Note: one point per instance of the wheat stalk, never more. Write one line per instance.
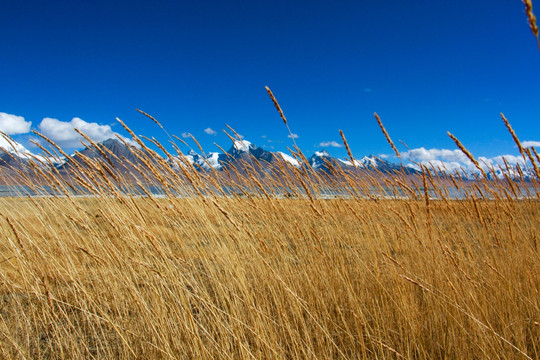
(514, 137)
(347, 147)
(467, 153)
(387, 136)
(532, 20)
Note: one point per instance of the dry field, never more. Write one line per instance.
(256, 277)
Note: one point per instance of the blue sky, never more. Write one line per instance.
(426, 67)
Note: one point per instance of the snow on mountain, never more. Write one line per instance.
(242, 145)
(11, 146)
(11, 151)
(368, 161)
(243, 150)
(357, 163)
(365, 162)
(15, 154)
(211, 161)
(288, 158)
(323, 153)
(319, 158)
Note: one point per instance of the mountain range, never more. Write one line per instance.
(247, 152)
(122, 157)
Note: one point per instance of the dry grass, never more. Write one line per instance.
(532, 20)
(254, 274)
(269, 278)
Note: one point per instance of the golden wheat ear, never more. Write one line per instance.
(532, 20)
(386, 135)
(347, 147)
(281, 114)
(467, 153)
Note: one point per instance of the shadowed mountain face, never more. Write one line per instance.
(12, 161)
(244, 151)
(111, 151)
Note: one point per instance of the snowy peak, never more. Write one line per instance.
(13, 153)
(243, 150)
(288, 158)
(322, 153)
(7, 144)
(243, 145)
(210, 161)
(320, 159)
(367, 161)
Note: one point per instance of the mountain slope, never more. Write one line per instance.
(112, 152)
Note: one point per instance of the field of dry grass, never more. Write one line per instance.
(237, 277)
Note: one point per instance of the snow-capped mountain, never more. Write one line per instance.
(288, 159)
(212, 160)
(15, 154)
(371, 162)
(365, 162)
(243, 150)
(241, 153)
(9, 145)
(115, 152)
(319, 160)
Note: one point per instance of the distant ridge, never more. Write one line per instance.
(125, 158)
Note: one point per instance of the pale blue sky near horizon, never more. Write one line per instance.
(426, 67)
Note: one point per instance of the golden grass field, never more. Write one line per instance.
(269, 278)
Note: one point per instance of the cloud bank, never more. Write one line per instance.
(531, 143)
(210, 131)
(452, 160)
(63, 132)
(13, 124)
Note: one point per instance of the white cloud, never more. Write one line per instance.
(185, 135)
(451, 160)
(13, 124)
(293, 136)
(422, 154)
(531, 143)
(63, 132)
(383, 156)
(330, 144)
(499, 160)
(210, 131)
